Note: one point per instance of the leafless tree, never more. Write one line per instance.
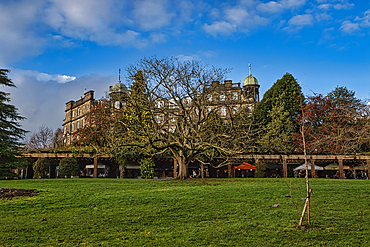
(185, 114)
(41, 139)
(57, 140)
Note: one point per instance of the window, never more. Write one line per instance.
(209, 109)
(235, 96)
(78, 124)
(172, 104)
(159, 104)
(235, 109)
(73, 127)
(197, 111)
(83, 122)
(83, 110)
(209, 97)
(158, 118)
(223, 111)
(78, 111)
(117, 105)
(65, 130)
(73, 113)
(222, 97)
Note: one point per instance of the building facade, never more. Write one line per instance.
(76, 111)
(225, 97)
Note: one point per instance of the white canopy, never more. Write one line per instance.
(92, 166)
(303, 167)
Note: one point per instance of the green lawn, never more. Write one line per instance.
(134, 212)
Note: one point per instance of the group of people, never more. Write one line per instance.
(198, 174)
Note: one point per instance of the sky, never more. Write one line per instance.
(56, 48)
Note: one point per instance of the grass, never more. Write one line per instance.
(235, 212)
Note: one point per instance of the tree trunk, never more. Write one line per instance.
(183, 169)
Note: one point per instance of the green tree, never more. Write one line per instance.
(40, 168)
(10, 130)
(278, 134)
(276, 112)
(68, 167)
(342, 96)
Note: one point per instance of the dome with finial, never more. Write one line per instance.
(250, 80)
(118, 87)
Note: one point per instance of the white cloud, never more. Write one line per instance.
(344, 6)
(220, 27)
(325, 6)
(42, 77)
(365, 21)
(152, 14)
(292, 3)
(279, 6)
(236, 15)
(64, 78)
(301, 20)
(349, 27)
(235, 19)
(183, 57)
(270, 7)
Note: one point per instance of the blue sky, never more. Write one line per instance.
(55, 48)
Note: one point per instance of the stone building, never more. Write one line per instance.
(76, 111)
(229, 97)
(226, 97)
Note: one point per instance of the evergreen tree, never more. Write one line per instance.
(10, 130)
(277, 137)
(275, 115)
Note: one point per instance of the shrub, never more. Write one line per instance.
(40, 168)
(147, 168)
(68, 167)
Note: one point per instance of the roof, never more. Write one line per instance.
(303, 167)
(250, 80)
(245, 166)
(118, 88)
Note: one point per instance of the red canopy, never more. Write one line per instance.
(245, 166)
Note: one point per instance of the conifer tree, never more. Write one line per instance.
(275, 115)
(10, 130)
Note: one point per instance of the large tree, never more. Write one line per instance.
(275, 115)
(178, 116)
(11, 132)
